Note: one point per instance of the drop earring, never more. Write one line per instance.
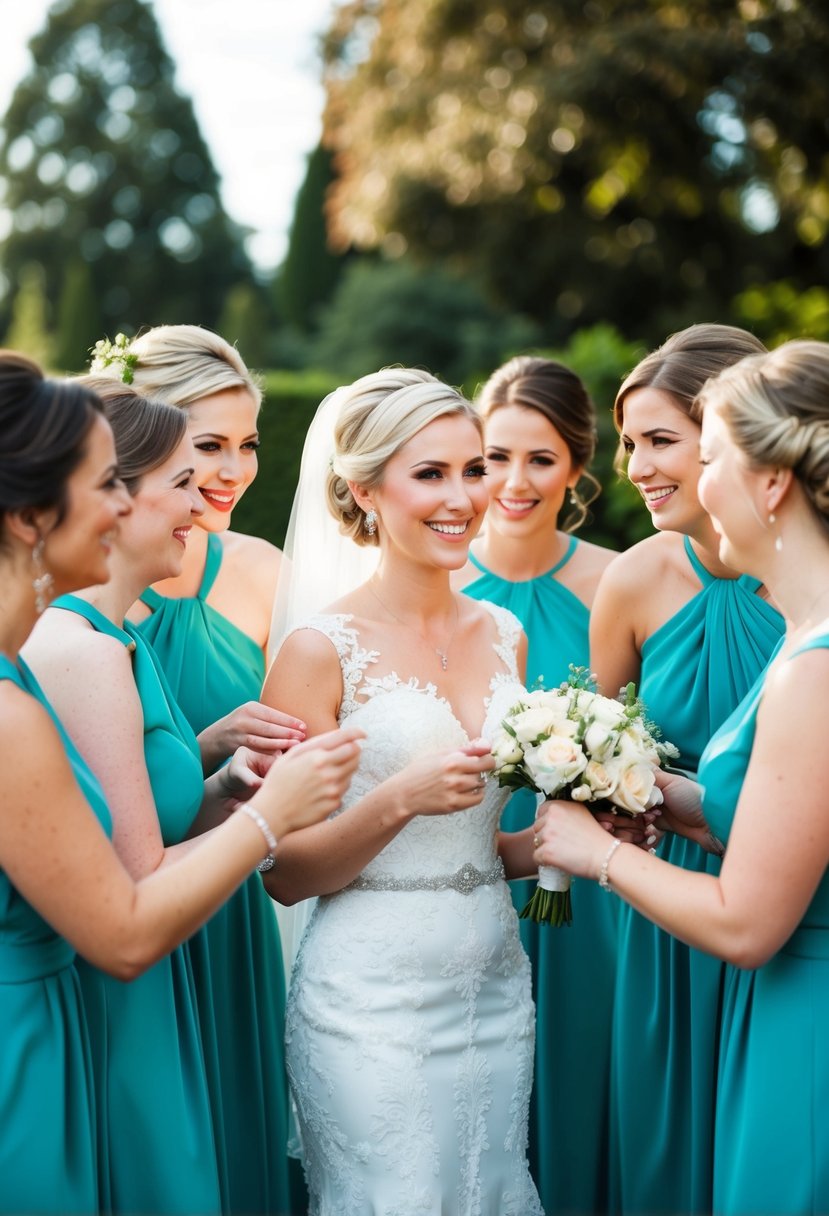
(778, 540)
(42, 581)
(370, 522)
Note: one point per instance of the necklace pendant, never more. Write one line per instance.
(444, 662)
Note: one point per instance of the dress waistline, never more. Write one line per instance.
(808, 942)
(22, 962)
(464, 880)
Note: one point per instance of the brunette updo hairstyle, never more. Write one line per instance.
(378, 414)
(681, 366)
(146, 432)
(776, 408)
(44, 427)
(181, 364)
(560, 395)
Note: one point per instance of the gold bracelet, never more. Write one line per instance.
(604, 881)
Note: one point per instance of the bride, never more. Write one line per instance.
(410, 1021)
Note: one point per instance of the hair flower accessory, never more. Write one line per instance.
(114, 354)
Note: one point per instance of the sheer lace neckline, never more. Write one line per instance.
(359, 688)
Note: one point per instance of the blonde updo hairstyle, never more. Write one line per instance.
(181, 364)
(681, 366)
(378, 415)
(776, 408)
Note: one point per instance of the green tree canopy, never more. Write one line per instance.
(641, 161)
(396, 313)
(310, 272)
(102, 160)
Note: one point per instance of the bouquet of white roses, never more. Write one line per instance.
(572, 743)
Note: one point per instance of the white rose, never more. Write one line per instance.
(602, 778)
(556, 762)
(636, 790)
(506, 750)
(532, 724)
(600, 740)
(557, 703)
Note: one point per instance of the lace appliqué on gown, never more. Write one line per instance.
(410, 1024)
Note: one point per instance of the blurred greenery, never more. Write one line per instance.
(633, 161)
(396, 312)
(102, 160)
(576, 178)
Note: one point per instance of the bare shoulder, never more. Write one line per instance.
(582, 573)
(253, 557)
(28, 739)
(245, 588)
(67, 642)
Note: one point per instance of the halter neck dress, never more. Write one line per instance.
(48, 1148)
(573, 969)
(213, 668)
(156, 1136)
(696, 668)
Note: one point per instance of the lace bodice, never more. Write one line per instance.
(406, 719)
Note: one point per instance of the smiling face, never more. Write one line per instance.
(529, 469)
(77, 550)
(662, 446)
(730, 491)
(432, 498)
(224, 431)
(164, 508)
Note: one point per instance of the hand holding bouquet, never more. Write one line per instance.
(572, 743)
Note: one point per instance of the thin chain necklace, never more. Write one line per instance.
(443, 655)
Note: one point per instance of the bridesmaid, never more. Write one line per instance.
(209, 626)
(671, 615)
(765, 448)
(540, 434)
(152, 1091)
(62, 887)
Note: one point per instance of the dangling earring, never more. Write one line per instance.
(42, 580)
(370, 522)
(778, 540)
(575, 501)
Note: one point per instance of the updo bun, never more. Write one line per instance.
(44, 425)
(776, 407)
(378, 415)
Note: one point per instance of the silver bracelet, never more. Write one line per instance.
(267, 863)
(604, 881)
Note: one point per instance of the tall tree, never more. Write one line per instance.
(103, 160)
(310, 272)
(636, 160)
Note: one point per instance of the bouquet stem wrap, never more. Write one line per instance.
(550, 902)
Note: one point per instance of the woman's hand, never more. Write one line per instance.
(682, 811)
(445, 782)
(254, 726)
(309, 782)
(642, 830)
(568, 836)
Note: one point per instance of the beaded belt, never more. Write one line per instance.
(464, 880)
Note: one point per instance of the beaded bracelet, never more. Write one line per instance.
(268, 862)
(604, 881)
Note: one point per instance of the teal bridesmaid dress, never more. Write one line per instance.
(695, 669)
(212, 668)
(48, 1150)
(156, 1141)
(771, 1145)
(573, 969)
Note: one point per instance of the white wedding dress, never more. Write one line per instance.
(410, 1024)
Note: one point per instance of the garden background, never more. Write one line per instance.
(577, 178)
